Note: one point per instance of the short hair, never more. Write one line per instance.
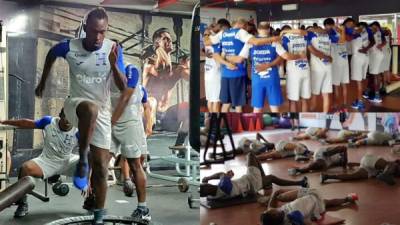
(285, 27)
(362, 24)
(264, 25)
(157, 33)
(97, 13)
(241, 20)
(268, 219)
(224, 22)
(376, 23)
(315, 25)
(329, 21)
(61, 114)
(348, 19)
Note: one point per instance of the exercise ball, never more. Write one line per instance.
(267, 119)
(285, 123)
(275, 120)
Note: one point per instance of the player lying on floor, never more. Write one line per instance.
(301, 206)
(253, 181)
(311, 133)
(323, 159)
(343, 136)
(373, 138)
(369, 166)
(284, 149)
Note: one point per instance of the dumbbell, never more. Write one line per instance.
(60, 188)
(192, 200)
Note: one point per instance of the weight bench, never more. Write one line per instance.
(210, 203)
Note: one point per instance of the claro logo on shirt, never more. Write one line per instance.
(90, 80)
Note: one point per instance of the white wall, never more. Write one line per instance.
(355, 121)
(208, 14)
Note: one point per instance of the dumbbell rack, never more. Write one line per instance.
(215, 123)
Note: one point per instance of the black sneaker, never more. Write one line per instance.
(89, 202)
(305, 183)
(382, 91)
(387, 179)
(22, 210)
(141, 214)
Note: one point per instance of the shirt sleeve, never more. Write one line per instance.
(132, 75)
(370, 34)
(310, 37)
(120, 60)
(243, 36)
(245, 51)
(216, 39)
(43, 122)
(333, 36)
(217, 48)
(144, 99)
(60, 50)
(279, 48)
(285, 43)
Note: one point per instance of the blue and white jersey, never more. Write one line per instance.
(90, 72)
(338, 50)
(58, 144)
(378, 37)
(212, 67)
(263, 54)
(360, 41)
(295, 44)
(232, 42)
(321, 42)
(139, 96)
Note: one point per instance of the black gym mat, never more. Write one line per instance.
(223, 203)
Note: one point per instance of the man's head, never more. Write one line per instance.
(361, 26)
(223, 24)
(95, 27)
(375, 26)
(349, 22)
(162, 38)
(264, 29)
(241, 23)
(272, 217)
(215, 28)
(286, 27)
(329, 24)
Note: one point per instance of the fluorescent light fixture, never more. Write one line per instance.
(289, 7)
(18, 24)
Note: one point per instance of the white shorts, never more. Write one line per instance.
(340, 71)
(129, 139)
(102, 132)
(298, 84)
(321, 80)
(375, 62)
(386, 60)
(311, 131)
(51, 167)
(255, 179)
(359, 67)
(368, 163)
(212, 83)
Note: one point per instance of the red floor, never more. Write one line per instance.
(378, 202)
(389, 104)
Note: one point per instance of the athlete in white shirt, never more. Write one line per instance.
(321, 67)
(60, 138)
(92, 62)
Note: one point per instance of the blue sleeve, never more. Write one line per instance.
(333, 36)
(43, 122)
(349, 31)
(285, 42)
(217, 48)
(310, 36)
(132, 75)
(60, 50)
(370, 34)
(120, 60)
(144, 99)
(77, 135)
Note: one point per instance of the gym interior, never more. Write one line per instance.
(226, 150)
(312, 13)
(29, 29)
